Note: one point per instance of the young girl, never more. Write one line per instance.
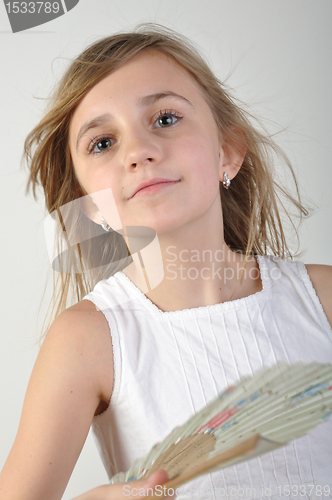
(164, 195)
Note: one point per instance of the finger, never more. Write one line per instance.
(144, 487)
(157, 481)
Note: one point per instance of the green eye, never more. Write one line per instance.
(166, 119)
(101, 145)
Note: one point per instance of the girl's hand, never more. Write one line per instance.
(132, 491)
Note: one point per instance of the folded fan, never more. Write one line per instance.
(256, 415)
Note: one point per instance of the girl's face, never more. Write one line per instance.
(148, 122)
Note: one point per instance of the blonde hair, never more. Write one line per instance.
(252, 220)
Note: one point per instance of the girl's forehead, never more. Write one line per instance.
(150, 64)
(147, 72)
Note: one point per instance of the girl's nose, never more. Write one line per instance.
(140, 148)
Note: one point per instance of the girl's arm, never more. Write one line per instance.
(72, 375)
(321, 278)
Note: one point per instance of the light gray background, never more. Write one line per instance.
(277, 55)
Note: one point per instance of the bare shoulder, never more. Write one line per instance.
(321, 279)
(84, 321)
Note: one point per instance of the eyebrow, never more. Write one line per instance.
(151, 99)
(143, 101)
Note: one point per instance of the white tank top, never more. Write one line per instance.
(168, 365)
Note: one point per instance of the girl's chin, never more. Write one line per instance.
(161, 227)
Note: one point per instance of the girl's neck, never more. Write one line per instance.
(195, 273)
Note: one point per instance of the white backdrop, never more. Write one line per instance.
(277, 56)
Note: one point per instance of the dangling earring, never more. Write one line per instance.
(104, 224)
(226, 182)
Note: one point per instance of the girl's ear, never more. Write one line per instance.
(232, 155)
(101, 204)
(90, 209)
(87, 204)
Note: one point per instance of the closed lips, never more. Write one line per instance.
(152, 182)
